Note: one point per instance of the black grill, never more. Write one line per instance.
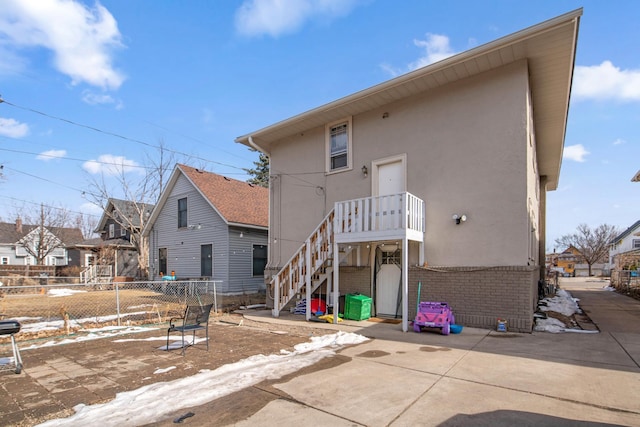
(12, 327)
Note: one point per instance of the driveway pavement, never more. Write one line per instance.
(480, 378)
(476, 378)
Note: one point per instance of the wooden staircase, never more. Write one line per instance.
(308, 268)
(391, 217)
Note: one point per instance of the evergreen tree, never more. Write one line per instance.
(260, 174)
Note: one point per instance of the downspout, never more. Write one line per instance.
(257, 147)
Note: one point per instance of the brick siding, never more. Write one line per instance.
(478, 296)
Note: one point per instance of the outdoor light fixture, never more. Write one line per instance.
(459, 218)
(365, 171)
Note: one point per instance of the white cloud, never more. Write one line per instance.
(619, 141)
(278, 17)
(436, 48)
(576, 153)
(81, 38)
(13, 128)
(110, 165)
(606, 81)
(92, 98)
(51, 154)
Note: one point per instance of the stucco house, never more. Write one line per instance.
(209, 226)
(427, 187)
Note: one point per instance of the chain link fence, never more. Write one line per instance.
(626, 281)
(45, 310)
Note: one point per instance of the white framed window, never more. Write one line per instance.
(112, 231)
(636, 244)
(339, 146)
(89, 259)
(4, 260)
(123, 231)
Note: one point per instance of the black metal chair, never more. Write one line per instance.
(196, 318)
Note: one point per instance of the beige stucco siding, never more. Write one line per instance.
(466, 148)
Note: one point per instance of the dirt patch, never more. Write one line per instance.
(55, 379)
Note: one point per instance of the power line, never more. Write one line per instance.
(53, 156)
(95, 129)
(50, 181)
(49, 206)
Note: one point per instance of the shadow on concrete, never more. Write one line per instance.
(515, 418)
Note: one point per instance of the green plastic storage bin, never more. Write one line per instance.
(357, 307)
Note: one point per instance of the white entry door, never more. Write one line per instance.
(389, 178)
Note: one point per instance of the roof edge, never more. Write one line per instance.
(445, 63)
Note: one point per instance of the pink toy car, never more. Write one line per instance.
(434, 315)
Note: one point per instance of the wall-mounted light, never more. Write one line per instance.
(365, 171)
(385, 115)
(459, 218)
(241, 234)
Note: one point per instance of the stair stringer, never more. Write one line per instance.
(313, 256)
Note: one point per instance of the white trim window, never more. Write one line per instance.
(338, 146)
(636, 244)
(112, 231)
(4, 260)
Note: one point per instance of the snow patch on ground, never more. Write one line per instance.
(153, 402)
(562, 302)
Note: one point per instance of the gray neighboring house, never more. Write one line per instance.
(209, 226)
(120, 230)
(13, 236)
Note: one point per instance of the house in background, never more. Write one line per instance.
(209, 226)
(624, 252)
(19, 244)
(565, 261)
(428, 187)
(117, 251)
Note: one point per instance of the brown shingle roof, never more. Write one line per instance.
(237, 201)
(10, 235)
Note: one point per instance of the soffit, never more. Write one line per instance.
(548, 47)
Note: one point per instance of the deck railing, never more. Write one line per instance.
(381, 215)
(369, 218)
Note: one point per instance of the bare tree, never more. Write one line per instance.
(592, 244)
(45, 232)
(140, 192)
(86, 224)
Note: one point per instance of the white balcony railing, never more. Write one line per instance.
(380, 217)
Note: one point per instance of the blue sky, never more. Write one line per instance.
(89, 85)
